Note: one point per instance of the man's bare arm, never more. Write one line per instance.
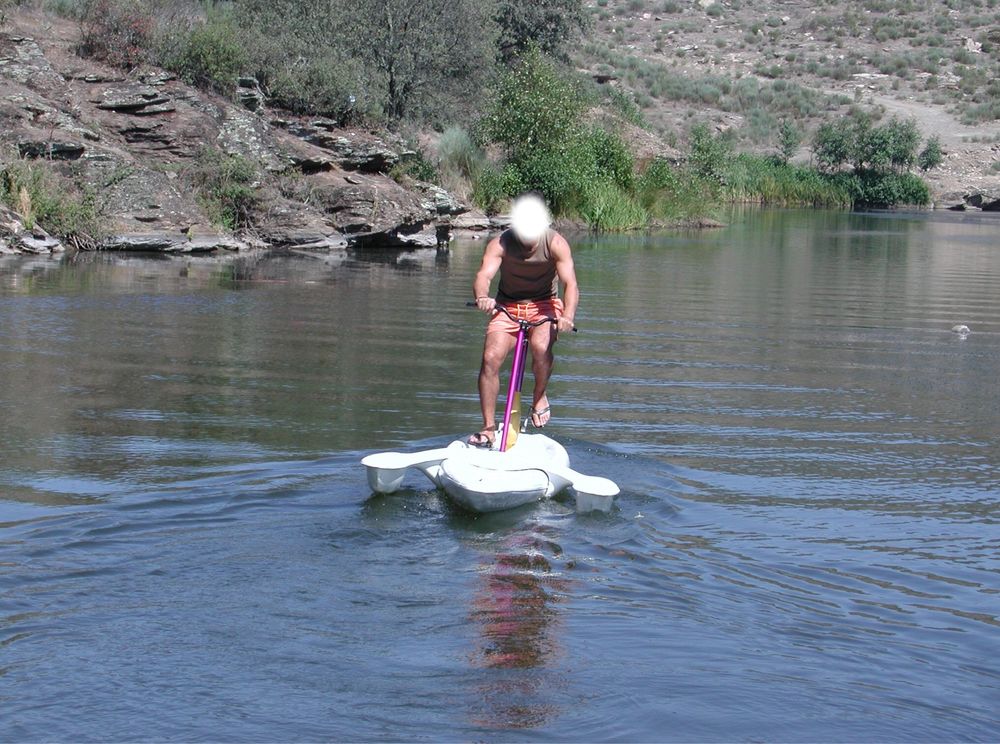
(492, 257)
(567, 277)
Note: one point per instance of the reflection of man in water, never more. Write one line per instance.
(514, 609)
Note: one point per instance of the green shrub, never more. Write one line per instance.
(226, 185)
(560, 174)
(625, 105)
(886, 189)
(771, 181)
(789, 139)
(673, 195)
(535, 107)
(931, 156)
(832, 145)
(536, 117)
(324, 85)
(494, 187)
(612, 159)
(414, 166)
(709, 153)
(41, 196)
(658, 175)
(211, 54)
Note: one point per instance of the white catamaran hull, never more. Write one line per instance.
(487, 480)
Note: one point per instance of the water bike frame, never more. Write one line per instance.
(488, 480)
(508, 433)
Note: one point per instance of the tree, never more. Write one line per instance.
(535, 107)
(709, 153)
(789, 139)
(868, 144)
(890, 146)
(536, 116)
(293, 57)
(931, 156)
(903, 138)
(832, 145)
(419, 50)
(545, 24)
(407, 58)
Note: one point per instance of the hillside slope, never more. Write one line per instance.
(750, 66)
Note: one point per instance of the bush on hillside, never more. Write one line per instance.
(458, 155)
(547, 25)
(210, 53)
(39, 195)
(709, 153)
(673, 194)
(226, 185)
(118, 32)
(931, 156)
(832, 145)
(535, 107)
(871, 188)
(536, 118)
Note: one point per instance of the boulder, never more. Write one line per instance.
(352, 150)
(132, 98)
(473, 220)
(172, 242)
(441, 202)
(152, 242)
(249, 94)
(959, 201)
(39, 243)
(51, 149)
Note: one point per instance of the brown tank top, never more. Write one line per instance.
(526, 277)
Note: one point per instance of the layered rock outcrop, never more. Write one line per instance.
(134, 142)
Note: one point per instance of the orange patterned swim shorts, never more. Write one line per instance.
(530, 311)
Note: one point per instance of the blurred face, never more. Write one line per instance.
(529, 219)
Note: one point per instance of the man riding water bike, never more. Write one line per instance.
(533, 261)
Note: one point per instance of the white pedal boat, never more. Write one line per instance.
(488, 480)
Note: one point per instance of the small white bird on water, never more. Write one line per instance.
(961, 330)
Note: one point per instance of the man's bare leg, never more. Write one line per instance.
(541, 340)
(496, 347)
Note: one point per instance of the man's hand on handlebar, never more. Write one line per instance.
(489, 305)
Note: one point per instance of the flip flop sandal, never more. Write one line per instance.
(543, 412)
(479, 439)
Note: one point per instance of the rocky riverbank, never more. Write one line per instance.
(132, 141)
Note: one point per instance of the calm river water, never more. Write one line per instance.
(806, 547)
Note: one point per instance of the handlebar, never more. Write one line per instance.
(500, 308)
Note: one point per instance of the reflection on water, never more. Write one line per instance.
(515, 608)
(804, 549)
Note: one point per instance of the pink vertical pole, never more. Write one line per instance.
(516, 375)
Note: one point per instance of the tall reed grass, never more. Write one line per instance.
(767, 180)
